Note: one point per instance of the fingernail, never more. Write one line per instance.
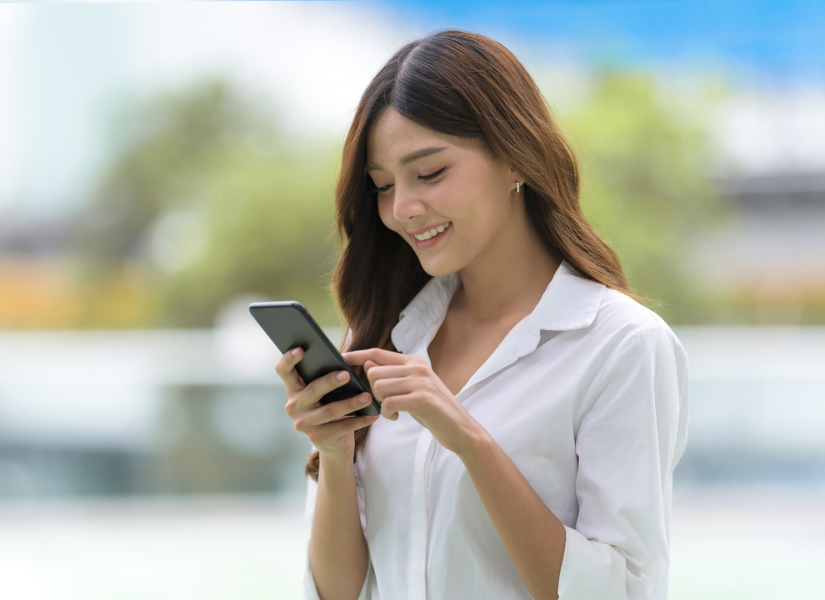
(364, 398)
(295, 351)
(341, 376)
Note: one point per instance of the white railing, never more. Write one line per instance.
(757, 393)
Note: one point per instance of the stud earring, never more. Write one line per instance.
(517, 186)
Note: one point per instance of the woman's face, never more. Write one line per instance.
(430, 180)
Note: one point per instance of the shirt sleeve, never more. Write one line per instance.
(310, 592)
(632, 430)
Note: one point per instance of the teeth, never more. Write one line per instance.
(432, 232)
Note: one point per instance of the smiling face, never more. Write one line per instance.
(442, 184)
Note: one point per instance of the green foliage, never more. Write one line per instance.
(644, 187)
(207, 203)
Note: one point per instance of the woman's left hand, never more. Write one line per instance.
(405, 383)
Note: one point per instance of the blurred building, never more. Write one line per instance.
(148, 412)
(772, 174)
(144, 412)
(770, 256)
(779, 239)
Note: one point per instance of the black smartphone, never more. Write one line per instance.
(290, 325)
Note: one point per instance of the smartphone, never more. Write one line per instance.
(289, 325)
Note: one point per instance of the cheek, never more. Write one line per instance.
(450, 199)
(468, 203)
(385, 211)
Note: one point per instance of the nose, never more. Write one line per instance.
(406, 206)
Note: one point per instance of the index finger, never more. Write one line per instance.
(378, 355)
(286, 370)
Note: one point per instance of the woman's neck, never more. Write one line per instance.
(510, 275)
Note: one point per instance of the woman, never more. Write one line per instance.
(532, 410)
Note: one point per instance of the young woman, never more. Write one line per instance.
(532, 410)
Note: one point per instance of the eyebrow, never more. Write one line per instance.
(413, 156)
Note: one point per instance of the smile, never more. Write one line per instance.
(432, 232)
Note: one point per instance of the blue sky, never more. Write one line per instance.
(778, 40)
(67, 68)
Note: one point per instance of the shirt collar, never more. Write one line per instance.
(570, 301)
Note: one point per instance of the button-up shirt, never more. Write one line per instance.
(588, 395)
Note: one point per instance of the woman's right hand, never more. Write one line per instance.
(326, 426)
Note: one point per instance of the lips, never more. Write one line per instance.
(433, 240)
(425, 234)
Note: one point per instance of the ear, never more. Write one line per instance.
(516, 176)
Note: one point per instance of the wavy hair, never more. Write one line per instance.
(467, 85)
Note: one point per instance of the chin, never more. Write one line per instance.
(436, 268)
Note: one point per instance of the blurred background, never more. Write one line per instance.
(163, 165)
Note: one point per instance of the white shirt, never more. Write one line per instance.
(588, 395)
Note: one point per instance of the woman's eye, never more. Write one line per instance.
(384, 190)
(371, 188)
(432, 175)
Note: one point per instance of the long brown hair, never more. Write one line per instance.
(463, 84)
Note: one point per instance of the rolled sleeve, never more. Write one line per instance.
(632, 427)
(310, 592)
(585, 558)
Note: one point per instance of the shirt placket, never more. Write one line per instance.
(417, 559)
(425, 447)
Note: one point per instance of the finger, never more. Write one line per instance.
(332, 411)
(336, 429)
(369, 365)
(378, 355)
(386, 387)
(318, 388)
(285, 368)
(395, 404)
(383, 372)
